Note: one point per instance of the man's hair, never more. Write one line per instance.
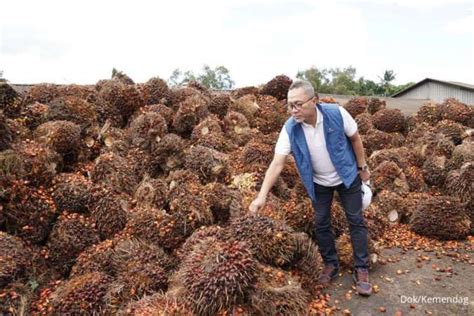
(306, 85)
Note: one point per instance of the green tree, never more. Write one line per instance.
(343, 80)
(385, 81)
(318, 78)
(217, 78)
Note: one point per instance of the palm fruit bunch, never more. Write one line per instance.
(415, 179)
(237, 93)
(71, 234)
(391, 205)
(180, 94)
(375, 139)
(122, 77)
(338, 219)
(29, 212)
(190, 112)
(9, 100)
(14, 299)
(389, 120)
(298, 213)
(107, 112)
(246, 105)
(209, 164)
(126, 98)
(166, 112)
(388, 176)
(208, 133)
(71, 192)
(14, 259)
(74, 109)
(30, 161)
(271, 241)
(157, 227)
(237, 128)
(146, 129)
(431, 112)
(374, 105)
(168, 153)
(219, 104)
(277, 292)
(42, 93)
(109, 210)
(461, 154)
(345, 253)
(217, 274)
(114, 171)
(271, 116)
(364, 123)
(328, 100)
(151, 193)
(6, 136)
(377, 224)
(356, 106)
(198, 236)
(199, 87)
(402, 156)
(156, 91)
(225, 203)
(432, 144)
(277, 87)
(96, 258)
(435, 170)
(441, 217)
(158, 304)
(458, 112)
(451, 130)
(35, 114)
(81, 295)
(64, 137)
(459, 183)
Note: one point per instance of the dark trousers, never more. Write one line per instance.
(351, 200)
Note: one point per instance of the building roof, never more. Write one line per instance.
(455, 84)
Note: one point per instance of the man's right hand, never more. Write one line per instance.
(257, 204)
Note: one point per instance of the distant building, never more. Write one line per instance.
(438, 91)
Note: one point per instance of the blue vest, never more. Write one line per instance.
(337, 143)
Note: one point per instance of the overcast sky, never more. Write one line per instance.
(81, 41)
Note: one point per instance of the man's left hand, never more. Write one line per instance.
(364, 175)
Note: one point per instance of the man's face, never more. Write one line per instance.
(300, 105)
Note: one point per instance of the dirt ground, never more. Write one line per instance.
(405, 276)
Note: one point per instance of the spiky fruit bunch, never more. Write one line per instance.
(415, 179)
(42, 93)
(389, 120)
(168, 153)
(441, 217)
(96, 258)
(14, 258)
(277, 292)
(15, 298)
(461, 154)
(81, 295)
(189, 113)
(257, 151)
(460, 183)
(122, 77)
(157, 304)
(271, 241)
(147, 129)
(328, 100)
(114, 171)
(451, 130)
(364, 123)
(151, 193)
(246, 105)
(72, 192)
(435, 170)
(87, 93)
(375, 104)
(345, 253)
(74, 109)
(199, 87)
(237, 93)
(35, 114)
(9, 100)
(29, 212)
(62, 136)
(433, 144)
(431, 112)
(219, 104)
(30, 161)
(155, 91)
(458, 112)
(225, 203)
(209, 133)
(376, 140)
(391, 206)
(209, 164)
(178, 179)
(109, 210)
(6, 136)
(377, 223)
(388, 176)
(356, 106)
(126, 98)
(237, 128)
(157, 227)
(271, 116)
(198, 236)
(298, 213)
(181, 93)
(277, 87)
(166, 112)
(107, 112)
(71, 234)
(217, 274)
(338, 219)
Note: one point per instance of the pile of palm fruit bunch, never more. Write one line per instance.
(132, 198)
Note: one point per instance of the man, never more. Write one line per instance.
(329, 155)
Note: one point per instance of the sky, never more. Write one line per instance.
(81, 41)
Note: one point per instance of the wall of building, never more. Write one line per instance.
(439, 92)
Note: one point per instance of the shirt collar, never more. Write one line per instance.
(319, 118)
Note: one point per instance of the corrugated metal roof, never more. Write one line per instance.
(450, 83)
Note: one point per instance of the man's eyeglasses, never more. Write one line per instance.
(297, 104)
